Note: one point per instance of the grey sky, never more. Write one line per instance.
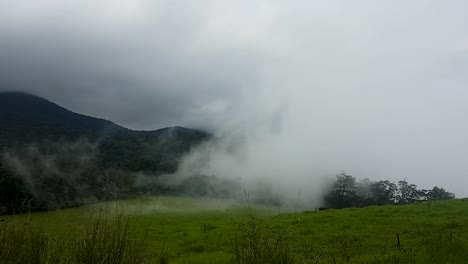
(375, 88)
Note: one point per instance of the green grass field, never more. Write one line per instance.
(189, 230)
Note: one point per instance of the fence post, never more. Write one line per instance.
(398, 241)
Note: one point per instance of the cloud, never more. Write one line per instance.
(311, 87)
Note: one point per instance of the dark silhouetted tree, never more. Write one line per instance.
(439, 194)
(13, 192)
(384, 192)
(343, 193)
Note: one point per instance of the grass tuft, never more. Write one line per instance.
(27, 244)
(108, 242)
(256, 244)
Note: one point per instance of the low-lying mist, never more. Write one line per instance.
(264, 170)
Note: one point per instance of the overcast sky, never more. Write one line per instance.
(375, 88)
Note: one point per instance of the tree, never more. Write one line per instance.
(409, 193)
(13, 192)
(384, 192)
(343, 193)
(439, 194)
(364, 192)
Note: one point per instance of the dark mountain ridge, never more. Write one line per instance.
(55, 157)
(26, 118)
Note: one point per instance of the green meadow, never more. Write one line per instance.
(196, 230)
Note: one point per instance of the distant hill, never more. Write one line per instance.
(27, 119)
(53, 158)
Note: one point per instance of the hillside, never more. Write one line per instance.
(57, 157)
(27, 119)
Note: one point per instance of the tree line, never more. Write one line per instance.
(346, 191)
(56, 175)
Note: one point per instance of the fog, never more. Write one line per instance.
(295, 92)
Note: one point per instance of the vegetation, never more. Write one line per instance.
(13, 194)
(76, 159)
(52, 158)
(347, 192)
(254, 243)
(106, 241)
(187, 230)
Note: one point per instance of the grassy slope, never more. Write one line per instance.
(201, 231)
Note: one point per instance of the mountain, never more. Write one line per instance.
(53, 158)
(26, 119)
